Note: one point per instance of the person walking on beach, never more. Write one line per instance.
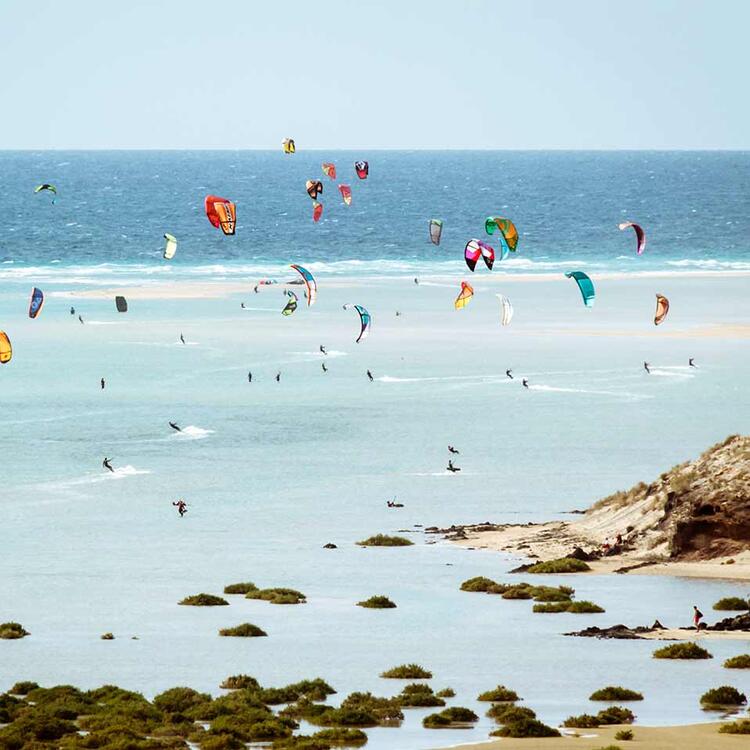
(525, 383)
(697, 617)
(369, 375)
(647, 367)
(509, 374)
(182, 338)
(181, 506)
(102, 381)
(107, 465)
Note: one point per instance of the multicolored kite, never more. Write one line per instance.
(221, 213)
(36, 302)
(585, 286)
(170, 248)
(317, 211)
(640, 235)
(362, 168)
(291, 306)
(436, 231)
(474, 250)
(314, 188)
(288, 145)
(310, 283)
(346, 194)
(466, 293)
(6, 350)
(364, 320)
(329, 170)
(508, 232)
(662, 308)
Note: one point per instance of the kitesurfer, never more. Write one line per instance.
(323, 349)
(72, 311)
(451, 467)
(255, 289)
(646, 367)
(525, 383)
(398, 314)
(102, 382)
(416, 280)
(691, 362)
(394, 504)
(278, 376)
(242, 305)
(451, 449)
(697, 617)
(369, 375)
(181, 506)
(509, 374)
(80, 320)
(107, 465)
(323, 365)
(182, 338)
(175, 427)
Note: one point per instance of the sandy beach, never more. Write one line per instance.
(690, 737)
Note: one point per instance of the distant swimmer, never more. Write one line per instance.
(646, 367)
(509, 374)
(107, 465)
(80, 320)
(278, 377)
(451, 467)
(525, 383)
(249, 377)
(323, 365)
(691, 362)
(369, 375)
(323, 349)
(72, 311)
(175, 426)
(182, 338)
(451, 449)
(103, 383)
(181, 506)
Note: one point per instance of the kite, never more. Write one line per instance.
(329, 170)
(317, 211)
(45, 186)
(476, 248)
(288, 145)
(506, 310)
(364, 319)
(170, 248)
(508, 232)
(346, 194)
(362, 168)
(314, 188)
(6, 350)
(585, 285)
(436, 230)
(310, 283)
(466, 293)
(291, 306)
(662, 308)
(640, 235)
(36, 302)
(121, 304)
(221, 213)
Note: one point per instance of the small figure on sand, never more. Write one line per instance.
(107, 465)
(369, 375)
(451, 449)
(182, 338)
(80, 320)
(451, 467)
(181, 506)
(697, 617)
(278, 376)
(509, 374)
(175, 426)
(525, 383)
(647, 367)
(323, 349)
(323, 365)
(103, 383)
(72, 311)
(691, 363)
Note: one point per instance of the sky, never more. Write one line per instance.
(502, 74)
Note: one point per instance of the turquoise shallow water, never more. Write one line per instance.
(272, 471)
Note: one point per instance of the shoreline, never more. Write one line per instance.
(687, 737)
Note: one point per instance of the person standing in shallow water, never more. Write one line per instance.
(697, 617)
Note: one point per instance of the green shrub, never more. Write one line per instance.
(736, 662)
(550, 594)
(562, 565)
(419, 700)
(584, 608)
(624, 735)
(517, 592)
(23, 688)
(313, 690)
(504, 713)
(341, 736)
(615, 693)
(278, 596)
(240, 682)
(526, 728)
(383, 540)
(35, 724)
(435, 721)
(584, 721)
(251, 726)
(178, 700)
(107, 637)
(377, 602)
(478, 584)
(446, 693)
(682, 651)
(246, 630)
(407, 672)
(616, 715)
(449, 717)
(741, 726)
(500, 694)
(221, 742)
(12, 630)
(240, 588)
(726, 695)
(732, 604)
(386, 710)
(204, 600)
(10, 707)
(552, 608)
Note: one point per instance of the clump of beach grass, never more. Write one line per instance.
(561, 565)
(615, 693)
(240, 682)
(525, 727)
(455, 715)
(346, 736)
(107, 637)
(204, 600)
(240, 588)
(407, 672)
(23, 688)
(518, 592)
(551, 608)
(312, 690)
(12, 630)
(726, 695)
(611, 715)
(446, 693)
(245, 630)
(624, 735)
(682, 651)
(383, 540)
(732, 604)
(735, 662)
(418, 695)
(278, 596)
(377, 602)
(741, 726)
(500, 694)
(507, 713)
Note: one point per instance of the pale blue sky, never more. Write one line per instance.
(355, 73)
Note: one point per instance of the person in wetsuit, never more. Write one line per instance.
(509, 374)
(451, 467)
(181, 506)
(369, 375)
(175, 427)
(646, 367)
(323, 365)
(525, 383)
(451, 449)
(691, 363)
(107, 465)
(323, 349)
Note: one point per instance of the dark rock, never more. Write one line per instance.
(738, 622)
(330, 545)
(617, 632)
